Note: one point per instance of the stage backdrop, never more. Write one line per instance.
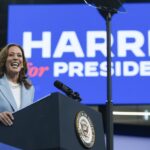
(68, 43)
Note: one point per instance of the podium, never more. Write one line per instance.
(53, 123)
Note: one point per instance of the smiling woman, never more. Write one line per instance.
(16, 92)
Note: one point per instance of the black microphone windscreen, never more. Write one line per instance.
(58, 84)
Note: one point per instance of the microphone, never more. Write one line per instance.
(67, 90)
(63, 87)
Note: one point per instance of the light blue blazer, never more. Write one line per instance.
(7, 101)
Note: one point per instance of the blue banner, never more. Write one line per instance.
(68, 43)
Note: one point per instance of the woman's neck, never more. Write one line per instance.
(13, 77)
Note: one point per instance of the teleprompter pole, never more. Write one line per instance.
(107, 9)
(109, 104)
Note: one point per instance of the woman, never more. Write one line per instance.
(16, 92)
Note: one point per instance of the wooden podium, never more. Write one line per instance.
(55, 123)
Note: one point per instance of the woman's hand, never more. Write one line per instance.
(6, 118)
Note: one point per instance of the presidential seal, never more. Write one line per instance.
(85, 129)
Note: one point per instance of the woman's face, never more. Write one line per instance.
(14, 61)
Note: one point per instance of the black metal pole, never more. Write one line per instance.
(109, 104)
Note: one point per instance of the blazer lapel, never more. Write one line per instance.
(26, 96)
(5, 89)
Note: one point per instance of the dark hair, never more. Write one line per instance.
(22, 75)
